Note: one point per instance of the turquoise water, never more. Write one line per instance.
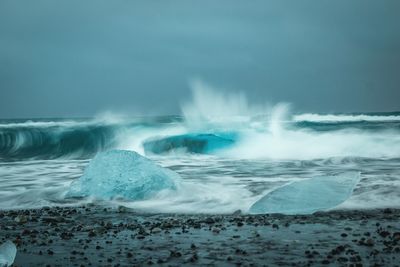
(226, 164)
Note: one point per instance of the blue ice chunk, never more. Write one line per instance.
(121, 173)
(195, 143)
(7, 253)
(308, 196)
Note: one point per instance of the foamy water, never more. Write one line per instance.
(272, 147)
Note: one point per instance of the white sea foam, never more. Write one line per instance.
(272, 135)
(331, 118)
(305, 144)
(43, 124)
(271, 149)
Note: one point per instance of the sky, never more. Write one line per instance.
(77, 58)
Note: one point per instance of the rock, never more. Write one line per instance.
(209, 220)
(216, 230)
(21, 219)
(383, 233)
(55, 220)
(396, 236)
(175, 254)
(369, 242)
(91, 233)
(66, 235)
(237, 213)
(156, 230)
(387, 211)
(194, 258)
(122, 209)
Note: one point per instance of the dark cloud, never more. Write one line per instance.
(76, 58)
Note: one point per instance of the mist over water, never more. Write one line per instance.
(272, 146)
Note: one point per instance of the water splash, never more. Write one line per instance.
(213, 107)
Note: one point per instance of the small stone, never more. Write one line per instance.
(209, 220)
(91, 233)
(26, 232)
(396, 236)
(194, 258)
(156, 230)
(21, 219)
(369, 242)
(387, 211)
(175, 254)
(384, 233)
(122, 209)
(216, 230)
(66, 235)
(237, 213)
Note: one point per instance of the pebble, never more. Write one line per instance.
(156, 230)
(21, 219)
(216, 230)
(30, 239)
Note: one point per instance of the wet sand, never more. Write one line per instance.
(96, 236)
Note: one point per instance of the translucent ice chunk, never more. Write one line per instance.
(308, 196)
(7, 253)
(124, 174)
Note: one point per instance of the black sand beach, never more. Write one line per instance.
(94, 236)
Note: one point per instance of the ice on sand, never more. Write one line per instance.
(308, 196)
(121, 173)
(7, 253)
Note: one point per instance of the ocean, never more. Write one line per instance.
(245, 157)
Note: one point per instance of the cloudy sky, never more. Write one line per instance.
(78, 58)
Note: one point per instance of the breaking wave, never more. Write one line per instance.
(254, 131)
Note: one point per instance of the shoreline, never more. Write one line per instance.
(97, 236)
